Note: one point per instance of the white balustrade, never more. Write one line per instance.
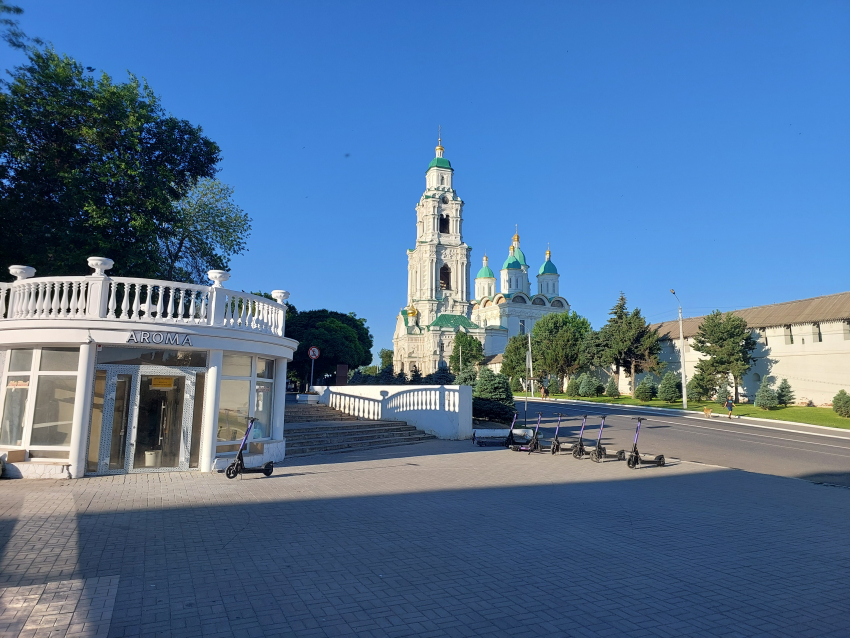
(139, 300)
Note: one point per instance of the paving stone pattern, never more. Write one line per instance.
(438, 539)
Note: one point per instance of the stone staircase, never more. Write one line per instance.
(318, 429)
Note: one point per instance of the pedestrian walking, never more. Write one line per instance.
(729, 405)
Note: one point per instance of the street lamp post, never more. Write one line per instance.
(682, 354)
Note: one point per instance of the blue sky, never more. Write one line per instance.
(700, 146)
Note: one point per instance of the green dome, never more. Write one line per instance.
(520, 256)
(548, 268)
(485, 272)
(512, 263)
(439, 162)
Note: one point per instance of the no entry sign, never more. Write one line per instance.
(313, 352)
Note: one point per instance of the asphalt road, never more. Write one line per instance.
(816, 454)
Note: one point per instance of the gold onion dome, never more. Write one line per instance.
(412, 311)
(516, 234)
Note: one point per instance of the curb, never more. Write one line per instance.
(688, 414)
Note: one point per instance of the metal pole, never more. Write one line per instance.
(682, 354)
(312, 363)
(460, 366)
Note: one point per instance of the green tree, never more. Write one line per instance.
(573, 386)
(670, 389)
(611, 389)
(345, 340)
(386, 357)
(841, 403)
(784, 393)
(206, 230)
(12, 33)
(495, 387)
(92, 167)
(386, 376)
(627, 342)
(702, 386)
(441, 377)
(728, 343)
(467, 376)
(587, 387)
(513, 358)
(472, 349)
(558, 344)
(766, 396)
(646, 390)
(415, 376)
(723, 391)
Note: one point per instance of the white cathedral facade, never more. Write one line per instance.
(440, 302)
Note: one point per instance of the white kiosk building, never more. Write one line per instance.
(119, 375)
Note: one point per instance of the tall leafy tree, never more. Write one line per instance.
(386, 357)
(473, 351)
(559, 344)
(341, 339)
(513, 358)
(207, 228)
(91, 167)
(11, 29)
(728, 343)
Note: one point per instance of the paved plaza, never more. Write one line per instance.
(437, 539)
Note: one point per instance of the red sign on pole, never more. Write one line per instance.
(313, 352)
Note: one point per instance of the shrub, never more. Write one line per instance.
(587, 386)
(494, 387)
(702, 386)
(646, 389)
(516, 384)
(670, 389)
(600, 387)
(841, 403)
(611, 390)
(766, 396)
(784, 393)
(440, 377)
(401, 379)
(492, 410)
(572, 387)
(467, 376)
(415, 377)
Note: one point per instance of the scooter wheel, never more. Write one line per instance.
(554, 449)
(632, 461)
(576, 453)
(230, 472)
(660, 460)
(621, 455)
(268, 469)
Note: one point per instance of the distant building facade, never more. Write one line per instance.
(805, 341)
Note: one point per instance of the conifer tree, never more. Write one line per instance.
(766, 396)
(573, 386)
(841, 403)
(723, 392)
(670, 389)
(728, 343)
(587, 388)
(492, 386)
(784, 393)
(467, 376)
(611, 390)
(415, 376)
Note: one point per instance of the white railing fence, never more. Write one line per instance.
(444, 410)
(139, 300)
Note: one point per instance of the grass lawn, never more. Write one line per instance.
(813, 416)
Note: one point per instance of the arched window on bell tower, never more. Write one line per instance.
(444, 223)
(442, 180)
(445, 277)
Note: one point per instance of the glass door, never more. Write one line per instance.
(145, 419)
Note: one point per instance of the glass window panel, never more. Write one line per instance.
(233, 409)
(59, 359)
(48, 454)
(146, 356)
(236, 365)
(14, 409)
(54, 410)
(265, 368)
(197, 421)
(263, 411)
(20, 361)
(159, 428)
(120, 419)
(96, 421)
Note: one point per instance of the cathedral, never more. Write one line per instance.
(440, 301)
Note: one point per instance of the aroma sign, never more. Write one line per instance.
(164, 338)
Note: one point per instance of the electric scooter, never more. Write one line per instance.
(635, 458)
(533, 444)
(597, 454)
(556, 443)
(578, 447)
(238, 465)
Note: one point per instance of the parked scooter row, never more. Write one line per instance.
(596, 451)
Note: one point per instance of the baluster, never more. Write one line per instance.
(113, 290)
(169, 313)
(3, 303)
(181, 315)
(159, 293)
(33, 295)
(54, 303)
(125, 303)
(136, 300)
(62, 292)
(74, 291)
(147, 306)
(192, 296)
(39, 301)
(244, 314)
(82, 302)
(202, 312)
(227, 311)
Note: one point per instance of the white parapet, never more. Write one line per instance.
(442, 410)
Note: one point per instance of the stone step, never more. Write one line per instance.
(331, 436)
(352, 438)
(354, 446)
(298, 413)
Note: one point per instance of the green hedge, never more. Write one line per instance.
(492, 410)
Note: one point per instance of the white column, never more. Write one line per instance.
(82, 410)
(279, 405)
(211, 400)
